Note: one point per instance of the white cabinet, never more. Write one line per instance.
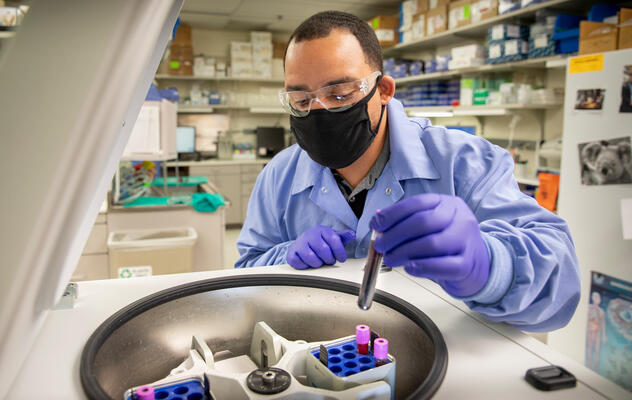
(234, 181)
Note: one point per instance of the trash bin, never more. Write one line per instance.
(151, 252)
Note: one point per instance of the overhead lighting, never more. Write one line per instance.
(430, 114)
(482, 112)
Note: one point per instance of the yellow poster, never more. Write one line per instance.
(591, 63)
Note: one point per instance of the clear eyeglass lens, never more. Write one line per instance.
(334, 97)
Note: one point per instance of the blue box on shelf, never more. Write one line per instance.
(502, 32)
(515, 50)
(566, 33)
(541, 45)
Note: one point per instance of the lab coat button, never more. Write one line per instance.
(351, 199)
(323, 189)
(388, 191)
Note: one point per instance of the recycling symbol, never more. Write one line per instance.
(125, 273)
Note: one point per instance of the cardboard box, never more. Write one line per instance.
(596, 37)
(183, 36)
(437, 20)
(459, 14)
(432, 4)
(278, 49)
(422, 6)
(385, 28)
(625, 28)
(419, 26)
(483, 9)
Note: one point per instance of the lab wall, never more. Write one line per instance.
(593, 212)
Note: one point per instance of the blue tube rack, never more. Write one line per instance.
(344, 359)
(187, 390)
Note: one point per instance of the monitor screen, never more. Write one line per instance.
(185, 139)
(469, 129)
(271, 138)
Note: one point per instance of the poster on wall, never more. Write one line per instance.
(590, 99)
(626, 88)
(609, 329)
(605, 162)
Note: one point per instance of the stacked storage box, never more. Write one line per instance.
(181, 52)
(401, 68)
(429, 94)
(439, 64)
(261, 54)
(541, 43)
(471, 55)
(507, 42)
(241, 59)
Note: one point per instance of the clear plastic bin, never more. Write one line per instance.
(151, 252)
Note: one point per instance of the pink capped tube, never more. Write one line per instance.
(363, 335)
(380, 351)
(145, 393)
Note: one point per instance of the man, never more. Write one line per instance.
(626, 89)
(445, 202)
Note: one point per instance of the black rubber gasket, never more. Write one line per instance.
(93, 389)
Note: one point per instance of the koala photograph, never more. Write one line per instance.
(606, 161)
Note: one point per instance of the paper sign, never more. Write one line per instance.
(626, 218)
(592, 63)
(134, 272)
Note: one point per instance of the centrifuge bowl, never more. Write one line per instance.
(142, 342)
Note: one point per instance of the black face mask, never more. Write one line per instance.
(336, 139)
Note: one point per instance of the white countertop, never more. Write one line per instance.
(217, 162)
(485, 360)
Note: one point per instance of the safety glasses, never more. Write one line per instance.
(335, 98)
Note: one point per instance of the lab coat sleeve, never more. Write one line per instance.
(261, 241)
(534, 277)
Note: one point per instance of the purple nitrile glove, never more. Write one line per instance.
(437, 237)
(317, 246)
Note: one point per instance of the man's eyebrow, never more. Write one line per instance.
(344, 79)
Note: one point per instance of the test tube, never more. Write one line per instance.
(380, 351)
(371, 270)
(145, 393)
(363, 335)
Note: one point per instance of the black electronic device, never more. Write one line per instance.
(270, 140)
(550, 378)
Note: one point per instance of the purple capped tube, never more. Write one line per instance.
(363, 335)
(380, 351)
(145, 393)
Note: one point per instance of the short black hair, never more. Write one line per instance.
(320, 25)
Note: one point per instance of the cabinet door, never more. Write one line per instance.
(230, 187)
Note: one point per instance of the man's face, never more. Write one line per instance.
(337, 58)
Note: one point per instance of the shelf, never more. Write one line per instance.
(6, 34)
(478, 29)
(528, 181)
(534, 63)
(499, 110)
(187, 109)
(167, 77)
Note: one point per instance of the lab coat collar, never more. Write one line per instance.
(409, 158)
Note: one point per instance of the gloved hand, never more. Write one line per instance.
(437, 237)
(317, 246)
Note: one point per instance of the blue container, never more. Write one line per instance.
(344, 359)
(566, 33)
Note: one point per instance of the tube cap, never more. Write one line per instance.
(380, 349)
(363, 334)
(145, 393)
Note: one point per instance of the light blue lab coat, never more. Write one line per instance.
(534, 279)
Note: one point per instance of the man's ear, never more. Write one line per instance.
(387, 89)
(624, 152)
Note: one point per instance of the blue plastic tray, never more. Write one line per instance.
(344, 359)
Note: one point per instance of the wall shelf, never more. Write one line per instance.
(479, 111)
(6, 34)
(478, 29)
(534, 63)
(190, 109)
(167, 77)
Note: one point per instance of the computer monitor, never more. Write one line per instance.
(185, 139)
(270, 140)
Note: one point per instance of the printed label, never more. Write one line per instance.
(495, 51)
(513, 31)
(134, 272)
(511, 47)
(592, 63)
(541, 41)
(498, 32)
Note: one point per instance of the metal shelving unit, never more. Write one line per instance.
(557, 61)
(215, 78)
(479, 29)
(476, 111)
(186, 109)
